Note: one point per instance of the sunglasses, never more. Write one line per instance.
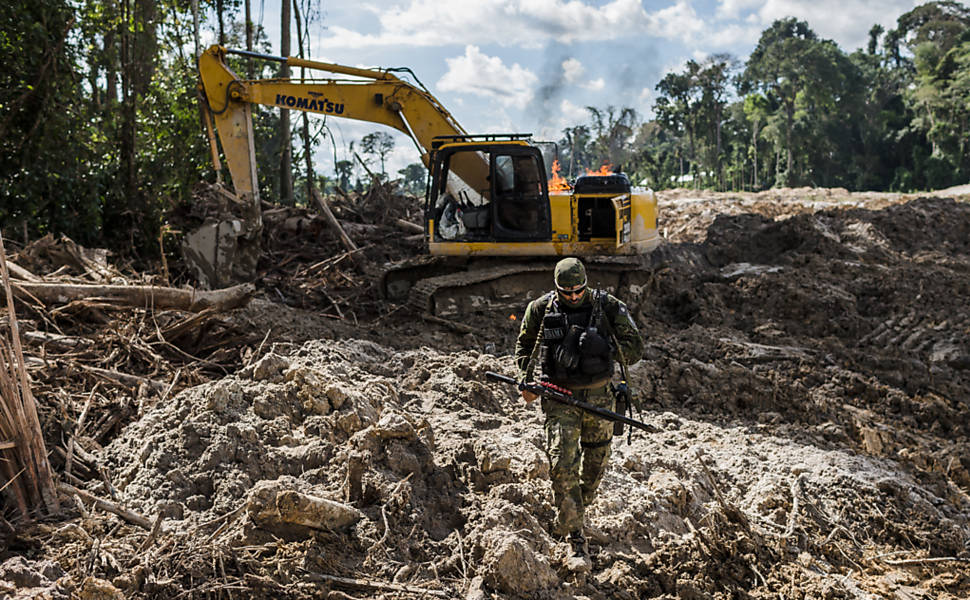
(571, 293)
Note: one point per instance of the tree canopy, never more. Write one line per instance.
(101, 134)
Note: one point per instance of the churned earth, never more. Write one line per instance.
(806, 366)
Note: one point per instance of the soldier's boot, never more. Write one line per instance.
(577, 560)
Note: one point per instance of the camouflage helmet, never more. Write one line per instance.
(570, 273)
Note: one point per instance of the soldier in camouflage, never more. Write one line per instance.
(576, 334)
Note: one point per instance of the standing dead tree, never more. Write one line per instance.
(25, 469)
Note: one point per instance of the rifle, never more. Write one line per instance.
(564, 396)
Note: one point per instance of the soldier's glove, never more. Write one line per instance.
(591, 343)
(567, 355)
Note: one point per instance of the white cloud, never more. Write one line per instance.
(571, 113)
(525, 23)
(572, 68)
(478, 73)
(676, 22)
(699, 55)
(733, 36)
(845, 22)
(734, 9)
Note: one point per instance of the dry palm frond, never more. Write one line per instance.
(27, 479)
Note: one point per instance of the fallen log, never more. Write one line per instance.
(56, 340)
(146, 296)
(19, 272)
(409, 226)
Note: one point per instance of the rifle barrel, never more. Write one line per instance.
(500, 378)
(570, 400)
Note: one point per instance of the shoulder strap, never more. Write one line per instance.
(609, 328)
(531, 365)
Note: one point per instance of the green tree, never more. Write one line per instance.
(713, 79)
(677, 109)
(938, 36)
(693, 103)
(414, 176)
(940, 24)
(612, 131)
(344, 169)
(755, 109)
(380, 144)
(803, 74)
(47, 181)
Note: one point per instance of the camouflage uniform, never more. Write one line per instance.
(577, 442)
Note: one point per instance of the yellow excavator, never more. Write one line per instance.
(490, 216)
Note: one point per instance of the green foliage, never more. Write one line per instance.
(414, 177)
(97, 143)
(46, 181)
(693, 104)
(806, 113)
(379, 144)
(101, 133)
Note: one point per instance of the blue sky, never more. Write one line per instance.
(533, 65)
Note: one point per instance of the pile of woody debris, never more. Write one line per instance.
(327, 256)
(330, 256)
(101, 345)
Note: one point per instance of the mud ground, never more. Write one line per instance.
(807, 365)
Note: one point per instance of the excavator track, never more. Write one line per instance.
(450, 288)
(427, 294)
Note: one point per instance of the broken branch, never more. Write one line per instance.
(332, 220)
(127, 515)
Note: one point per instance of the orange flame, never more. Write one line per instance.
(512, 317)
(558, 183)
(606, 169)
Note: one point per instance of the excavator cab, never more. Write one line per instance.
(505, 199)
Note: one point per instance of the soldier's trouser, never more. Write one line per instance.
(578, 448)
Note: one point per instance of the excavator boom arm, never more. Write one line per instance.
(376, 96)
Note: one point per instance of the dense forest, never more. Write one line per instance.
(101, 132)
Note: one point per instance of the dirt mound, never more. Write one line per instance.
(451, 486)
(806, 366)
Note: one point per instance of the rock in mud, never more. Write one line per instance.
(276, 506)
(22, 579)
(513, 566)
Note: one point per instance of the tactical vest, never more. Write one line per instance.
(575, 343)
